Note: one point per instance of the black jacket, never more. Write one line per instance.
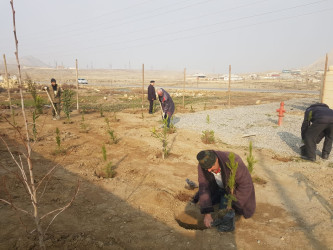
(151, 93)
(318, 113)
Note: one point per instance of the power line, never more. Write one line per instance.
(200, 27)
(218, 31)
(76, 32)
(41, 33)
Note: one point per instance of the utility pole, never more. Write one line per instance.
(77, 86)
(184, 88)
(143, 83)
(229, 85)
(324, 81)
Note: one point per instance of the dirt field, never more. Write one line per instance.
(138, 208)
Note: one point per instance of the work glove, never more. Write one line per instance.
(45, 88)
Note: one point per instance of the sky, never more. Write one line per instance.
(200, 35)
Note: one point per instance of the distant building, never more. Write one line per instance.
(200, 75)
(253, 76)
(232, 77)
(296, 72)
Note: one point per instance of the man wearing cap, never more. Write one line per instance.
(55, 95)
(213, 175)
(151, 96)
(168, 106)
(317, 124)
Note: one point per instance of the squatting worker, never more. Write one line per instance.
(317, 124)
(151, 96)
(55, 95)
(213, 175)
(168, 106)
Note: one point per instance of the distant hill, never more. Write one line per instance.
(320, 63)
(27, 61)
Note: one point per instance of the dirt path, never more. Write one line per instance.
(137, 208)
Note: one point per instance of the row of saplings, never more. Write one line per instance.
(106, 171)
(207, 137)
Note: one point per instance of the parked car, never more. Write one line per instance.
(82, 81)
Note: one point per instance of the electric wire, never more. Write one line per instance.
(198, 27)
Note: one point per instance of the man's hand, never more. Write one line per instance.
(45, 88)
(208, 220)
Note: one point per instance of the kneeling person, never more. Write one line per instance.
(213, 175)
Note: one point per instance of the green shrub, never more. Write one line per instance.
(208, 137)
(67, 101)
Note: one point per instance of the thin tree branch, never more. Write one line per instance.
(61, 209)
(15, 207)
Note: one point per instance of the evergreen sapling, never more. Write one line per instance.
(67, 99)
(250, 159)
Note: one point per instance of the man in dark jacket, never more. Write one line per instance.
(55, 95)
(151, 96)
(213, 175)
(168, 106)
(317, 124)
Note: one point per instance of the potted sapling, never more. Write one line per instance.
(226, 216)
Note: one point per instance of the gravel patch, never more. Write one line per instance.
(257, 123)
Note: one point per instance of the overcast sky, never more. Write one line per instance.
(200, 35)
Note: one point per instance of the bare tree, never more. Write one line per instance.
(26, 174)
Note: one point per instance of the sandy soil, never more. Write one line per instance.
(139, 207)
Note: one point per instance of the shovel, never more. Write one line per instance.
(52, 103)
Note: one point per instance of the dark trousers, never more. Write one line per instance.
(314, 134)
(57, 107)
(218, 197)
(151, 104)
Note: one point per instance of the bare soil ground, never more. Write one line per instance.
(146, 205)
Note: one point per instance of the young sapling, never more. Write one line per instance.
(163, 137)
(208, 136)
(250, 159)
(113, 137)
(67, 100)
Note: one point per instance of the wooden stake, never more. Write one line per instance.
(143, 84)
(184, 88)
(229, 85)
(324, 81)
(197, 82)
(8, 88)
(77, 86)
